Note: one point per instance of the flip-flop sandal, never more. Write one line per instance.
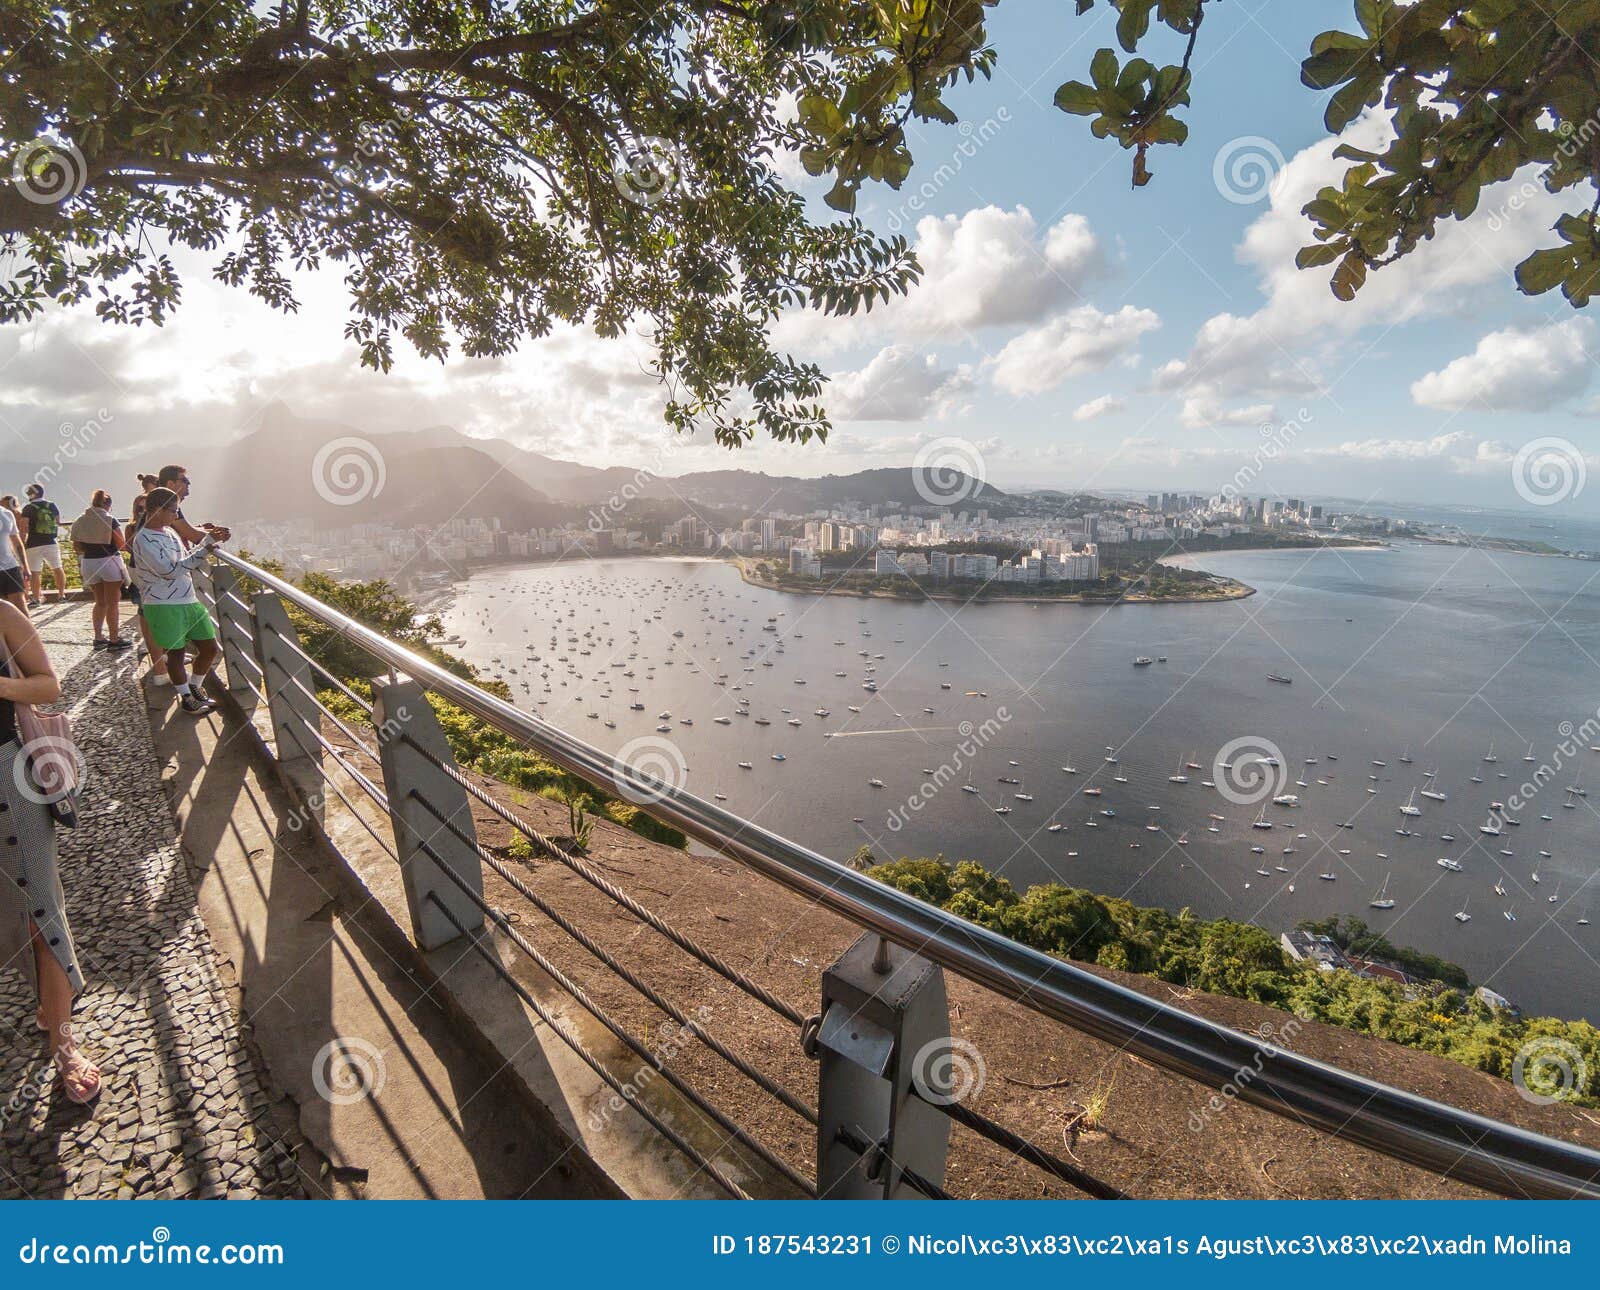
(75, 1066)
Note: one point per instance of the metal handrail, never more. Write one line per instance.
(1460, 1145)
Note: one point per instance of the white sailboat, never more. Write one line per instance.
(1489, 756)
(1383, 900)
(1461, 915)
(1411, 807)
(1432, 793)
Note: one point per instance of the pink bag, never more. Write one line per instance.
(53, 761)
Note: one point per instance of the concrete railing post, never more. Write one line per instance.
(885, 1030)
(293, 709)
(235, 626)
(413, 751)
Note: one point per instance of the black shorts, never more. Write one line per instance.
(11, 583)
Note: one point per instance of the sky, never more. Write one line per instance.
(1069, 332)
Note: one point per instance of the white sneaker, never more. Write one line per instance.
(160, 678)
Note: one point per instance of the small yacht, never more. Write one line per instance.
(1411, 807)
(1382, 900)
(744, 765)
(1445, 862)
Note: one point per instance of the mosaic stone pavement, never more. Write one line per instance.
(184, 1111)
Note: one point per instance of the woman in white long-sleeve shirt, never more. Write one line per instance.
(171, 608)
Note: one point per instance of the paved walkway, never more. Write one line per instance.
(184, 1111)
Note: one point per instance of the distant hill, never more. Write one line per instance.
(274, 471)
(334, 476)
(749, 490)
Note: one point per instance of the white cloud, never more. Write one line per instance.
(1080, 340)
(985, 268)
(1458, 449)
(1511, 370)
(898, 385)
(1202, 410)
(1095, 408)
(1294, 342)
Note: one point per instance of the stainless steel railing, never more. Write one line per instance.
(1468, 1148)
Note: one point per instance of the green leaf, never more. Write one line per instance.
(1078, 99)
(1133, 22)
(1349, 277)
(1543, 270)
(1346, 104)
(1311, 257)
(1103, 69)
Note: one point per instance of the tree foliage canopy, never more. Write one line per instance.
(483, 170)
(1476, 91)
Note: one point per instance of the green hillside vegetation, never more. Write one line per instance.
(1221, 956)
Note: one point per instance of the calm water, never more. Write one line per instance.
(1427, 652)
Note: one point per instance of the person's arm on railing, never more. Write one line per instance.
(156, 557)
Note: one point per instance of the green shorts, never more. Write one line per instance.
(174, 626)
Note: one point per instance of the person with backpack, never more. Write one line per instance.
(97, 538)
(41, 527)
(176, 617)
